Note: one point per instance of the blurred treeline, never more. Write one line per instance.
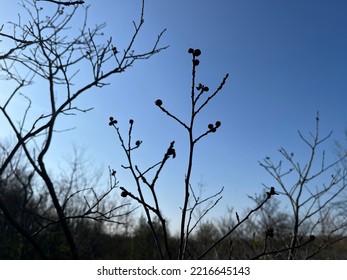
(130, 236)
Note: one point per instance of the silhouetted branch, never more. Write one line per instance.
(274, 252)
(64, 3)
(239, 222)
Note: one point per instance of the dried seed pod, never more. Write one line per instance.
(124, 193)
(210, 126)
(196, 62)
(218, 123)
(197, 52)
(191, 50)
(206, 89)
(158, 102)
(131, 121)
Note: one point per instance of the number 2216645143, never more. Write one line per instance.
(229, 270)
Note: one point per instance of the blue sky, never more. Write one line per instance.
(286, 60)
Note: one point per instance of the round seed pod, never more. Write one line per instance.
(158, 102)
(197, 52)
(196, 62)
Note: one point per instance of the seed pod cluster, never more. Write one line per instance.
(112, 121)
(213, 128)
(202, 87)
(195, 53)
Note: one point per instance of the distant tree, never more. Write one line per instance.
(142, 243)
(203, 237)
(312, 189)
(90, 210)
(47, 50)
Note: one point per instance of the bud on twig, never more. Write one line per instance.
(158, 102)
(124, 194)
(138, 143)
(271, 192)
(171, 151)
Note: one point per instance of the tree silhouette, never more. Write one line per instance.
(44, 216)
(200, 97)
(311, 202)
(45, 51)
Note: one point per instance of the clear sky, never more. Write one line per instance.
(286, 60)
